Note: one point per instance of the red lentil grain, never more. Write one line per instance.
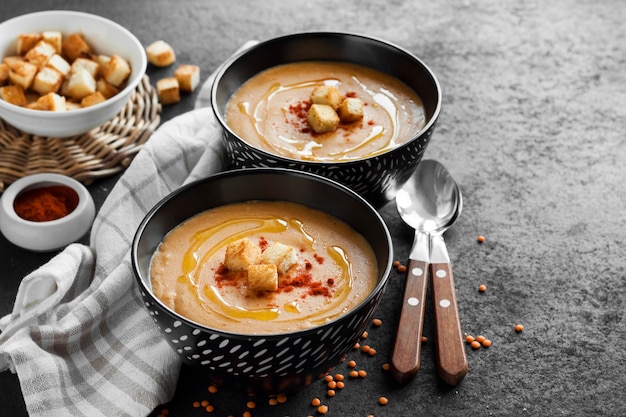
(204, 403)
(322, 409)
(273, 401)
(401, 268)
(519, 328)
(365, 334)
(480, 239)
(386, 366)
(354, 374)
(281, 398)
(475, 344)
(480, 339)
(212, 389)
(395, 263)
(486, 343)
(352, 364)
(328, 378)
(377, 322)
(331, 392)
(209, 408)
(362, 373)
(316, 402)
(196, 404)
(469, 339)
(383, 401)
(340, 385)
(482, 288)
(251, 404)
(424, 339)
(371, 352)
(339, 377)
(247, 414)
(332, 385)
(357, 346)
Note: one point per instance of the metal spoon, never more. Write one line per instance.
(429, 202)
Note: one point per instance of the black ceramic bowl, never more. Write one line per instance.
(376, 178)
(273, 363)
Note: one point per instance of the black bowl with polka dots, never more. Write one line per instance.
(377, 178)
(262, 363)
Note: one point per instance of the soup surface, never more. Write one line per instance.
(334, 270)
(269, 112)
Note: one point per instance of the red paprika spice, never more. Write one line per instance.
(45, 204)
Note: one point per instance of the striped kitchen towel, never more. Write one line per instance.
(79, 337)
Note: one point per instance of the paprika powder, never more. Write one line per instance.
(46, 203)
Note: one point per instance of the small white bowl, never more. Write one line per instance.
(50, 235)
(105, 37)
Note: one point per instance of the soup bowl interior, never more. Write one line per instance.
(377, 178)
(262, 363)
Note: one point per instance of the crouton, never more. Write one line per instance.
(322, 118)
(54, 38)
(241, 254)
(71, 105)
(102, 60)
(47, 81)
(21, 73)
(350, 110)
(13, 94)
(74, 46)
(27, 41)
(188, 77)
(40, 54)
(106, 89)
(4, 73)
(327, 94)
(81, 84)
(262, 277)
(51, 102)
(57, 62)
(92, 67)
(116, 71)
(168, 90)
(160, 54)
(91, 99)
(281, 255)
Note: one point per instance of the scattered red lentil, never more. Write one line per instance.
(352, 364)
(424, 339)
(401, 268)
(251, 404)
(386, 366)
(316, 402)
(362, 373)
(519, 328)
(328, 378)
(196, 404)
(212, 389)
(364, 335)
(273, 401)
(354, 374)
(339, 377)
(340, 385)
(396, 264)
(486, 343)
(383, 400)
(204, 403)
(247, 414)
(480, 239)
(482, 288)
(377, 322)
(475, 344)
(365, 348)
(281, 398)
(332, 384)
(209, 408)
(371, 352)
(357, 345)
(322, 409)
(480, 338)
(331, 392)
(469, 339)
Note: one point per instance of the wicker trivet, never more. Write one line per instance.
(101, 152)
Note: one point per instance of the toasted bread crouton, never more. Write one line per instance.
(106, 89)
(21, 73)
(81, 84)
(40, 54)
(47, 81)
(4, 73)
(51, 102)
(102, 60)
(54, 38)
(71, 105)
(327, 94)
(59, 63)
(160, 54)
(27, 41)
(262, 277)
(241, 254)
(281, 255)
(322, 118)
(91, 99)
(13, 94)
(351, 110)
(92, 67)
(168, 90)
(188, 77)
(116, 71)
(74, 46)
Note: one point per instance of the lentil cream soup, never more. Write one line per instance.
(331, 268)
(269, 111)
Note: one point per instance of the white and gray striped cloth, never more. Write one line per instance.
(79, 337)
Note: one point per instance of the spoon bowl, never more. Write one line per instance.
(430, 202)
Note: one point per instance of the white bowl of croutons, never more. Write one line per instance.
(64, 73)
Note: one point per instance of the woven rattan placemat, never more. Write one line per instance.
(99, 153)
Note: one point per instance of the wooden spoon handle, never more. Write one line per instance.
(451, 360)
(405, 358)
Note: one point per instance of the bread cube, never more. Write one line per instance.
(21, 73)
(58, 63)
(74, 46)
(81, 84)
(327, 94)
(262, 277)
(241, 254)
(116, 71)
(168, 90)
(71, 105)
(106, 89)
(4, 73)
(51, 102)
(188, 77)
(92, 67)
(54, 38)
(350, 110)
(91, 99)
(47, 81)
(160, 54)
(13, 94)
(26, 41)
(102, 60)
(322, 118)
(281, 255)
(40, 54)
